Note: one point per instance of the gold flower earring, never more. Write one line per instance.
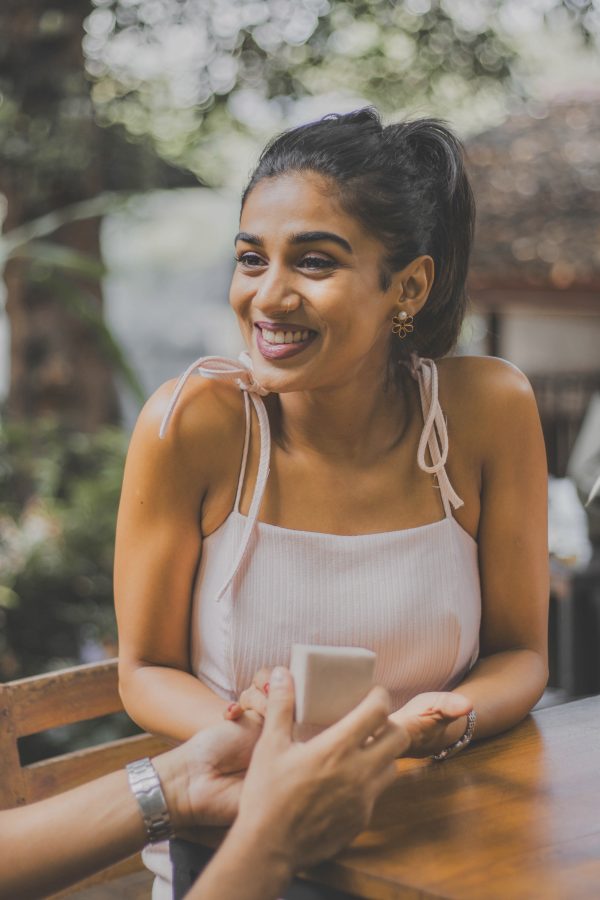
(402, 324)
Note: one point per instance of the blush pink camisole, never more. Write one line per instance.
(412, 596)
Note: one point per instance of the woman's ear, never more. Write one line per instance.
(411, 286)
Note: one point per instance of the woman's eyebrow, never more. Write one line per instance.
(307, 237)
(303, 237)
(248, 238)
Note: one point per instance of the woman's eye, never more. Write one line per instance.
(316, 262)
(249, 259)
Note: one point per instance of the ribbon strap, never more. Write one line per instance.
(434, 436)
(218, 367)
(224, 369)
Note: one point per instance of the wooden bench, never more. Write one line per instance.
(32, 705)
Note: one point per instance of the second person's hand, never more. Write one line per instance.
(203, 778)
(315, 797)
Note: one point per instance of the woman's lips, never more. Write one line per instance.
(271, 339)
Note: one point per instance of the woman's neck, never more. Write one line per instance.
(357, 421)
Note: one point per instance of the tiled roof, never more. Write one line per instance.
(537, 188)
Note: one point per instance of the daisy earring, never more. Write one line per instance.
(402, 324)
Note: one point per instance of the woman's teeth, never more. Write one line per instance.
(284, 337)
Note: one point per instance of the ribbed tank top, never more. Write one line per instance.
(412, 596)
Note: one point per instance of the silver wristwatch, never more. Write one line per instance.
(145, 784)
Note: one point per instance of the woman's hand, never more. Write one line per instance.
(433, 720)
(253, 700)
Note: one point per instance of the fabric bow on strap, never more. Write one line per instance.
(224, 369)
(434, 436)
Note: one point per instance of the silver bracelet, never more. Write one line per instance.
(461, 743)
(146, 787)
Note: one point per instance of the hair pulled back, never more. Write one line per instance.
(407, 185)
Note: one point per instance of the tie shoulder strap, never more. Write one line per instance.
(220, 368)
(240, 373)
(434, 436)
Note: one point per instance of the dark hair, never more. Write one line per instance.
(407, 185)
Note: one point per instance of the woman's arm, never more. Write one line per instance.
(506, 436)
(167, 487)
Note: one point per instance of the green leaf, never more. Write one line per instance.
(59, 256)
(45, 225)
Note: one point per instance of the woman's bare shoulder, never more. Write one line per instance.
(485, 398)
(205, 405)
(205, 431)
(483, 381)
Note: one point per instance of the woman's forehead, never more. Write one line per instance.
(296, 200)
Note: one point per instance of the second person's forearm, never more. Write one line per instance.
(57, 842)
(246, 865)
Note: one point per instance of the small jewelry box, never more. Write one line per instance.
(329, 682)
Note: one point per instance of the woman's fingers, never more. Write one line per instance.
(253, 699)
(437, 704)
(448, 706)
(233, 711)
(261, 679)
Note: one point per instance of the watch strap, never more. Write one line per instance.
(145, 784)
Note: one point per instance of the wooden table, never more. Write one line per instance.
(514, 817)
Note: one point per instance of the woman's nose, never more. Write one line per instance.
(276, 298)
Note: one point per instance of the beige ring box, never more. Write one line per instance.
(329, 682)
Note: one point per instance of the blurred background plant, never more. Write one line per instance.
(59, 491)
(105, 102)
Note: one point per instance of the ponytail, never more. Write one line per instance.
(440, 174)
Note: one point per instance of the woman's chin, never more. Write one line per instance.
(275, 378)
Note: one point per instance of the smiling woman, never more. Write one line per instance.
(308, 493)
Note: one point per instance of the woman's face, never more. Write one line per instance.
(306, 288)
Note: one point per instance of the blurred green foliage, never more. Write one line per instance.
(59, 493)
(50, 143)
(62, 268)
(187, 77)
(199, 76)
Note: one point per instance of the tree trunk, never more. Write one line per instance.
(57, 363)
(57, 367)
